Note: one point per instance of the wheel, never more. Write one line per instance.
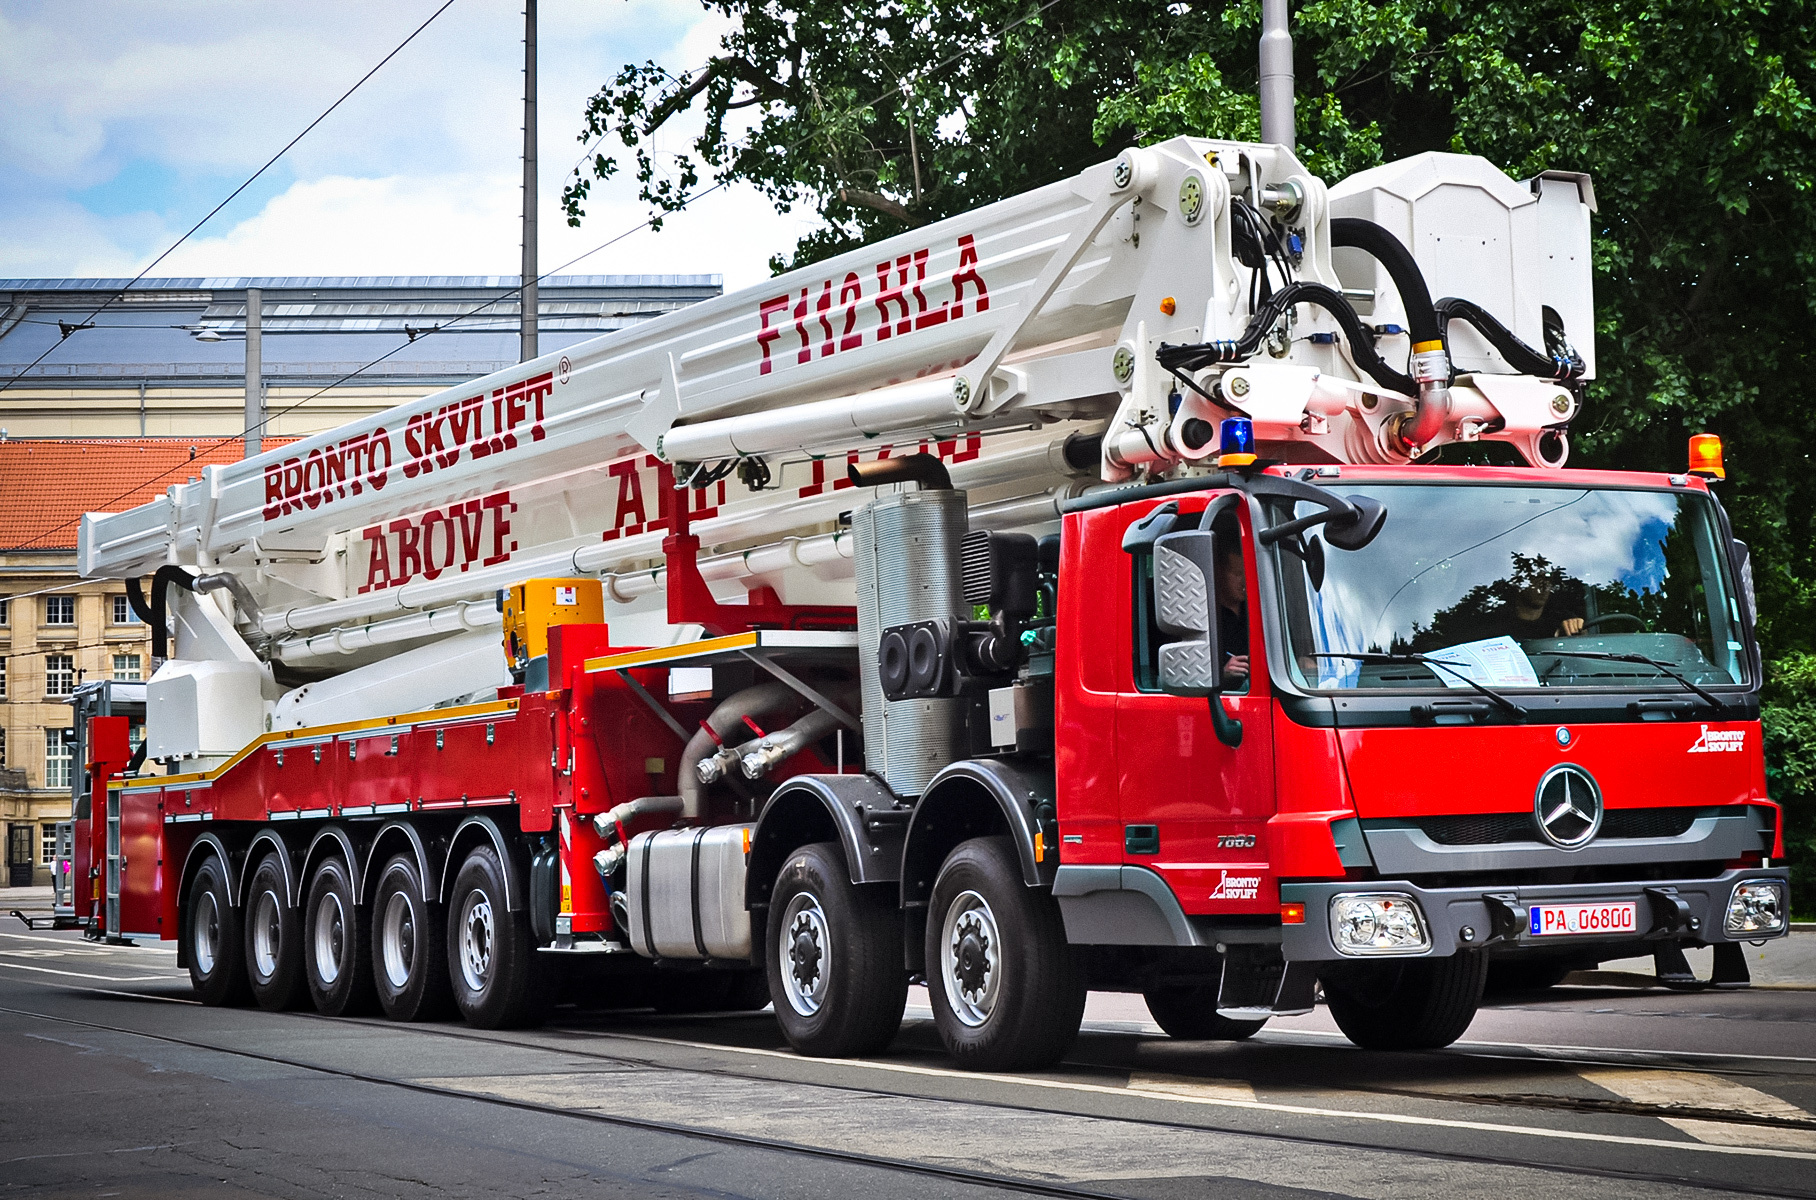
(498, 977)
(1417, 1004)
(273, 939)
(211, 939)
(337, 960)
(835, 960)
(1190, 1014)
(1630, 620)
(1007, 994)
(408, 967)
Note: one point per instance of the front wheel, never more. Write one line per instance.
(1006, 992)
(1414, 1004)
(273, 939)
(492, 960)
(835, 958)
(211, 939)
(1190, 1014)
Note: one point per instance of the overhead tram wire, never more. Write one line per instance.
(250, 180)
(512, 292)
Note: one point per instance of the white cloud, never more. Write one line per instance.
(417, 173)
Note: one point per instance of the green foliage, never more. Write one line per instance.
(1789, 717)
(1696, 118)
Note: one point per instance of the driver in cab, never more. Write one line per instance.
(1538, 611)
(1232, 613)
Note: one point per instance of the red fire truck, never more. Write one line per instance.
(1142, 583)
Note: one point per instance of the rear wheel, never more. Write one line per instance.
(492, 961)
(273, 939)
(337, 960)
(1006, 992)
(211, 939)
(409, 970)
(835, 958)
(1190, 1014)
(1415, 1004)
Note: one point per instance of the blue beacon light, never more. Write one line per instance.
(1236, 442)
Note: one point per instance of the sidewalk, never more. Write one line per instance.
(25, 899)
(1787, 962)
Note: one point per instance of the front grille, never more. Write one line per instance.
(1485, 829)
(1491, 829)
(1648, 822)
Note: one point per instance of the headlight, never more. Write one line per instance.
(1377, 923)
(1757, 906)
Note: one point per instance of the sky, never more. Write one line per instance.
(122, 122)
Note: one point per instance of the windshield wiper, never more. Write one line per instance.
(1608, 656)
(1437, 663)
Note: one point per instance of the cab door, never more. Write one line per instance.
(1193, 808)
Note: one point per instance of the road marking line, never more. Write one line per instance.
(103, 978)
(1304, 1110)
(1185, 1085)
(1275, 1035)
(1690, 1089)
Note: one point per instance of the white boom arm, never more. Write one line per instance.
(988, 338)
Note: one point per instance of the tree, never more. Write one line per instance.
(1695, 119)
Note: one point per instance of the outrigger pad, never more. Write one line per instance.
(1731, 967)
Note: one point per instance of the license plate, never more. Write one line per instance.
(1569, 919)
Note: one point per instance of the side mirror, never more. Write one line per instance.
(1185, 606)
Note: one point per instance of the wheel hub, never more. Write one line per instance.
(806, 948)
(476, 940)
(970, 958)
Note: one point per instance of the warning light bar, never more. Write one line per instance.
(1705, 456)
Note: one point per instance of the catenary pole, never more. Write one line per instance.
(527, 300)
(255, 374)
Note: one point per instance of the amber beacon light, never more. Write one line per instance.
(1705, 456)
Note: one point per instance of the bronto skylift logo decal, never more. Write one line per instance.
(1720, 741)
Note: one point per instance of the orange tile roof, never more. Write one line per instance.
(47, 484)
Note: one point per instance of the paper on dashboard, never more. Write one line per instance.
(1491, 662)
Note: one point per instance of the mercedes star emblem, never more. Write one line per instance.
(1568, 806)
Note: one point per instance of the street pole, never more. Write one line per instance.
(527, 297)
(1276, 75)
(255, 375)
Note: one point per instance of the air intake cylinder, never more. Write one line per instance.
(907, 563)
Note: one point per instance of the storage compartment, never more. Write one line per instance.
(685, 891)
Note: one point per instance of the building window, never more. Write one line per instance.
(122, 612)
(6, 603)
(59, 674)
(3, 662)
(59, 610)
(135, 737)
(48, 855)
(2, 747)
(59, 757)
(126, 668)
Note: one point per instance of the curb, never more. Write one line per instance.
(1633, 979)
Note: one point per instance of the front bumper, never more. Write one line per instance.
(1669, 910)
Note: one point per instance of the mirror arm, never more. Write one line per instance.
(1274, 533)
(1229, 729)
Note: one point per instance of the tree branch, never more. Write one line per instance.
(882, 204)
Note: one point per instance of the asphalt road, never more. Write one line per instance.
(113, 1082)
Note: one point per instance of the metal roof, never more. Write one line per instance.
(316, 329)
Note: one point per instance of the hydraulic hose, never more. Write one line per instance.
(1430, 361)
(751, 702)
(758, 758)
(1563, 365)
(154, 614)
(1361, 340)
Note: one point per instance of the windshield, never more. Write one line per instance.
(1515, 587)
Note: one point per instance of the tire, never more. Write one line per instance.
(409, 968)
(211, 939)
(273, 939)
(1190, 1015)
(498, 977)
(1007, 993)
(835, 962)
(1419, 1004)
(337, 954)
